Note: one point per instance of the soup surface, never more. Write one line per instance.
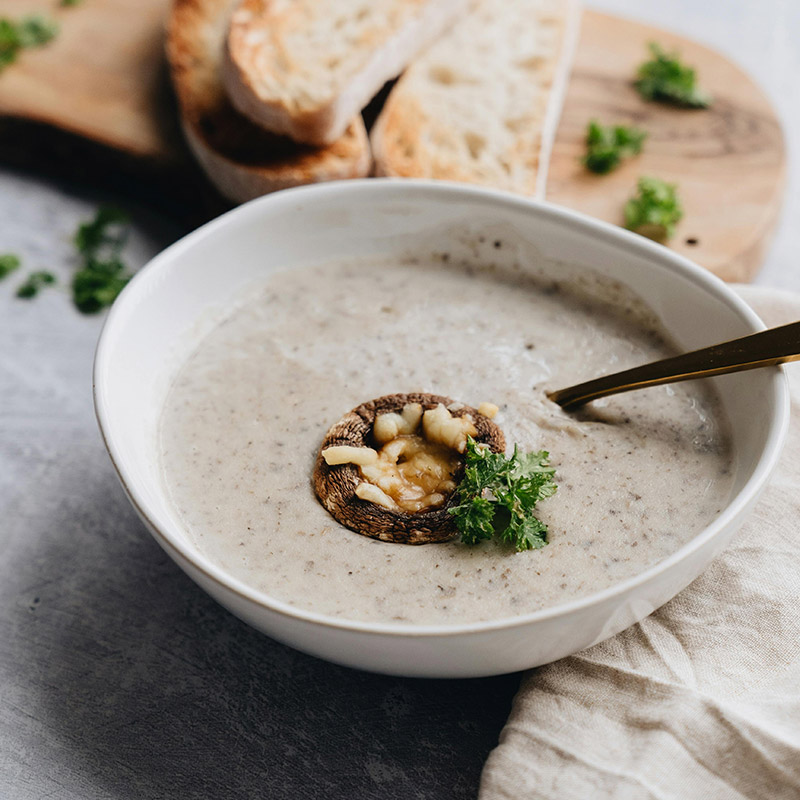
(639, 474)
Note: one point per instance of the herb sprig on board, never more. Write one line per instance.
(607, 145)
(103, 274)
(655, 210)
(31, 31)
(665, 79)
(497, 496)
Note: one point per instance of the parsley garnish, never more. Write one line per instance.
(497, 496)
(103, 231)
(32, 31)
(607, 145)
(67, 3)
(655, 210)
(34, 282)
(8, 263)
(665, 80)
(103, 274)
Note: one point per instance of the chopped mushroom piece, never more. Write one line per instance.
(441, 426)
(391, 425)
(488, 410)
(345, 454)
(373, 494)
(416, 474)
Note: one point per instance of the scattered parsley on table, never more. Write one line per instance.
(103, 274)
(8, 264)
(34, 282)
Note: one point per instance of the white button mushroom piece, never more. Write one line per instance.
(372, 494)
(391, 425)
(345, 454)
(441, 427)
(488, 410)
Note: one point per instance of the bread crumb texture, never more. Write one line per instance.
(474, 106)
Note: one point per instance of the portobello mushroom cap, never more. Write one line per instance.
(335, 486)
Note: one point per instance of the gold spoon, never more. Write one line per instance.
(766, 349)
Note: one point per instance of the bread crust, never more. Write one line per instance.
(335, 486)
(263, 62)
(241, 159)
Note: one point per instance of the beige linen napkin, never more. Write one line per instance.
(701, 699)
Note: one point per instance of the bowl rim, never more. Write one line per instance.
(421, 189)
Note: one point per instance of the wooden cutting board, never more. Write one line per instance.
(729, 160)
(103, 79)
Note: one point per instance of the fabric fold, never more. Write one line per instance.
(699, 700)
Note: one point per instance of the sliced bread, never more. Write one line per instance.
(481, 105)
(304, 68)
(240, 158)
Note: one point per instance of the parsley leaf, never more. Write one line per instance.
(474, 519)
(8, 263)
(105, 230)
(93, 289)
(497, 496)
(68, 3)
(526, 533)
(34, 282)
(34, 31)
(31, 31)
(655, 209)
(607, 145)
(664, 79)
(103, 274)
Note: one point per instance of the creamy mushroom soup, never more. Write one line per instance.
(639, 475)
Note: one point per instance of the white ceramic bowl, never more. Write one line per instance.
(165, 307)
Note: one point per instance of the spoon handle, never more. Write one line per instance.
(765, 349)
